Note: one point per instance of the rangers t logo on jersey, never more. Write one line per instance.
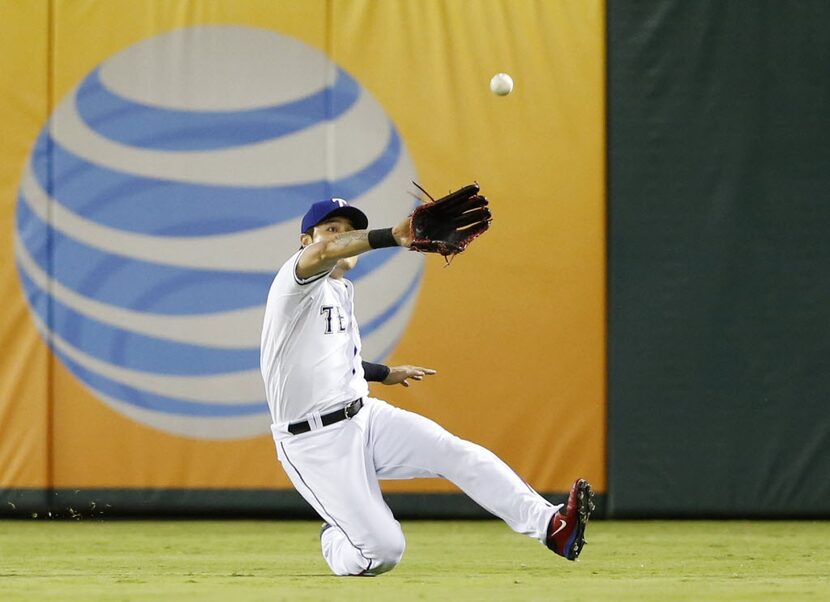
(326, 311)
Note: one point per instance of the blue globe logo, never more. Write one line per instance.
(163, 194)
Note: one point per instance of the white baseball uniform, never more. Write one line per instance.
(311, 364)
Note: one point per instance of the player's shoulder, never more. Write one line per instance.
(287, 276)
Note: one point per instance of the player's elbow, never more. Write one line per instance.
(328, 254)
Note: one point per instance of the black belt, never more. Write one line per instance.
(351, 410)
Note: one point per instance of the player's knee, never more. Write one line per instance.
(388, 550)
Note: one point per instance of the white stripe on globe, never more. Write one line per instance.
(224, 428)
(291, 159)
(229, 59)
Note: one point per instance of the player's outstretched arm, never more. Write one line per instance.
(399, 375)
(323, 255)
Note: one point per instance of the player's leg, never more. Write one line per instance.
(407, 445)
(330, 468)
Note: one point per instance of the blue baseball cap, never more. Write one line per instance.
(322, 210)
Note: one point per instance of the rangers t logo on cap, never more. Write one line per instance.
(334, 207)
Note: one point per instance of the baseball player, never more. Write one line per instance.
(335, 442)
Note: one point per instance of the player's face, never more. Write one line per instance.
(329, 229)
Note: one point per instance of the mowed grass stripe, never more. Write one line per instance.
(239, 561)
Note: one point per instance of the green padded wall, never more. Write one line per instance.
(719, 258)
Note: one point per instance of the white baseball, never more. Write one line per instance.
(501, 84)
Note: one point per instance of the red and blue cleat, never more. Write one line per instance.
(566, 530)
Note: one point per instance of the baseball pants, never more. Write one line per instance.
(337, 468)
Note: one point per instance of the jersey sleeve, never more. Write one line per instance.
(304, 282)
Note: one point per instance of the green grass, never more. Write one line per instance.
(482, 560)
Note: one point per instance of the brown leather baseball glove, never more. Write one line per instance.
(447, 225)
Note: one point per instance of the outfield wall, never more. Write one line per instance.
(157, 157)
(156, 160)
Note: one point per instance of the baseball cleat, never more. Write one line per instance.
(566, 531)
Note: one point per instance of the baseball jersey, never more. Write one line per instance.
(310, 349)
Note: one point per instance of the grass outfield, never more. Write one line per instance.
(481, 560)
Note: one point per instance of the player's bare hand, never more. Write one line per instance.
(403, 233)
(400, 375)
